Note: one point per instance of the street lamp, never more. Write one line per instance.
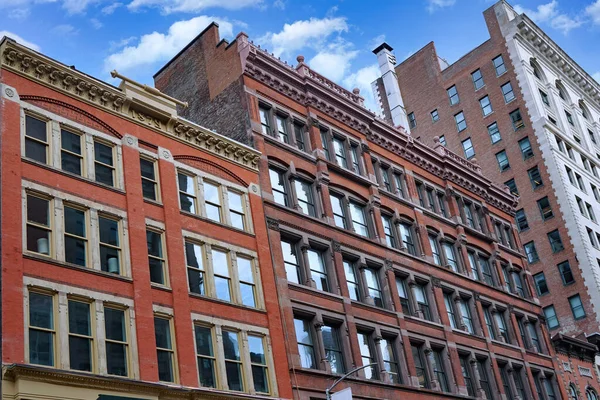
(328, 395)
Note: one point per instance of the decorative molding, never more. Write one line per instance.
(336, 246)
(219, 170)
(38, 68)
(273, 224)
(436, 282)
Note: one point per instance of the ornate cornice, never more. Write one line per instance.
(555, 55)
(50, 73)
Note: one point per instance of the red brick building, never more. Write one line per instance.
(134, 256)
(385, 251)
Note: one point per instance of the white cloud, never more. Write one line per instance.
(155, 46)
(65, 30)
(596, 76)
(109, 9)
(362, 79)
(333, 61)
(96, 24)
(593, 11)
(171, 6)
(376, 41)
(120, 44)
(279, 4)
(300, 34)
(434, 5)
(19, 14)
(549, 13)
(20, 40)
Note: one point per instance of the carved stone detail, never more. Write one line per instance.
(273, 224)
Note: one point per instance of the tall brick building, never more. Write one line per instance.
(134, 256)
(524, 111)
(387, 253)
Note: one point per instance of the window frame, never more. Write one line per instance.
(155, 181)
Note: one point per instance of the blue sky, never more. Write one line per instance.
(336, 36)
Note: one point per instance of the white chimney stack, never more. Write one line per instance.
(386, 61)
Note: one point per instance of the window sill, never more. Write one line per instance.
(289, 147)
(349, 174)
(70, 175)
(423, 320)
(356, 303)
(158, 286)
(153, 202)
(53, 261)
(504, 344)
(228, 303)
(196, 216)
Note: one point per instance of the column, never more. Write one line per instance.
(479, 392)
(384, 375)
(413, 301)
(529, 344)
(511, 382)
(320, 346)
(429, 361)
(365, 287)
(495, 325)
(308, 281)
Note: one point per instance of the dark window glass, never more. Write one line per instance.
(38, 225)
(80, 336)
(36, 139)
(531, 252)
(195, 267)
(71, 158)
(526, 149)
(412, 121)
(502, 159)
(466, 373)
(517, 120)
(155, 257)
(555, 241)
(453, 95)
(512, 186)
(110, 254)
(333, 348)
(116, 341)
(206, 356)
(477, 79)
(420, 366)
(149, 181)
(540, 284)
(164, 349)
(535, 177)
(75, 236)
(521, 220)
(299, 132)
(499, 65)
(565, 273)
(104, 164)
(545, 208)
(258, 360)
(41, 329)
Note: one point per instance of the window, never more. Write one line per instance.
(519, 383)
(438, 369)
(526, 149)
(521, 220)
(407, 235)
(484, 381)
(359, 222)
(340, 152)
(477, 79)
(76, 250)
(333, 348)
(149, 179)
(187, 192)
(367, 355)
(499, 65)
(156, 259)
(206, 356)
(222, 275)
(461, 123)
(450, 256)
(42, 329)
(508, 93)
(443, 141)
(541, 285)
(71, 155)
(352, 280)
(580, 183)
(512, 186)
(403, 294)
(531, 252)
(453, 95)
(388, 228)
(535, 177)
(39, 227)
(318, 272)
(195, 267)
(306, 347)
(489, 323)
(117, 349)
(502, 327)
(569, 118)
(385, 176)
(435, 116)
(36, 139)
(534, 336)
(245, 269)
(486, 106)
(595, 192)
(420, 293)
(212, 200)
(258, 364)
(110, 244)
(448, 302)
(418, 353)
(590, 211)
(278, 186)
(412, 122)
(592, 136)
(104, 164)
(544, 97)
(577, 307)
(502, 159)
(165, 353)
(300, 132)
(591, 394)
(517, 120)
(233, 361)
(282, 128)
(435, 250)
(468, 148)
(545, 208)
(565, 273)
(343, 208)
(298, 272)
(81, 337)
(465, 311)
(236, 210)
(373, 286)
(494, 133)
(555, 241)
(580, 205)
(265, 119)
(465, 368)
(389, 359)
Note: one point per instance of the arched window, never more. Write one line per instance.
(585, 112)
(537, 70)
(562, 92)
(591, 394)
(573, 392)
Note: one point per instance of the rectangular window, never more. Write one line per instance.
(325, 143)
(339, 213)
(450, 256)
(461, 123)
(104, 163)
(265, 119)
(165, 353)
(555, 241)
(577, 307)
(551, 318)
(206, 356)
(355, 158)
(390, 362)
(42, 330)
(351, 280)
(565, 273)
(195, 268)
(468, 148)
(212, 200)
(535, 177)
(233, 360)
(412, 121)
(333, 348)
(385, 175)
(290, 258)
(502, 328)
(156, 259)
(420, 366)
(282, 128)
(304, 194)
(149, 179)
(508, 93)
(467, 319)
(388, 228)
(521, 220)
(187, 192)
(403, 294)
(306, 347)
(36, 139)
(373, 286)
(519, 383)
(569, 118)
(488, 322)
(449, 303)
(494, 133)
(526, 149)
(443, 141)
(486, 106)
(75, 236)
(299, 132)
(110, 244)
(117, 349)
(512, 186)
(438, 369)
(484, 266)
(39, 227)
(435, 250)
(483, 378)
(245, 269)
(278, 187)
(545, 208)
(453, 95)
(466, 373)
(366, 355)
(420, 293)
(407, 238)
(592, 136)
(517, 120)
(71, 155)
(81, 337)
(545, 99)
(318, 272)
(541, 286)
(340, 152)
(258, 364)
(435, 116)
(477, 79)
(359, 222)
(499, 65)
(236, 210)
(502, 159)
(222, 275)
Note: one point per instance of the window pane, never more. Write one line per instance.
(165, 366)
(36, 151)
(74, 221)
(38, 210)
(234, 376)
(114, 321)
(75, 251)
(41, 347)
(80, 348)
(305, 197)
(35, 128)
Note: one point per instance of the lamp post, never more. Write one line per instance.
(328, 390)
